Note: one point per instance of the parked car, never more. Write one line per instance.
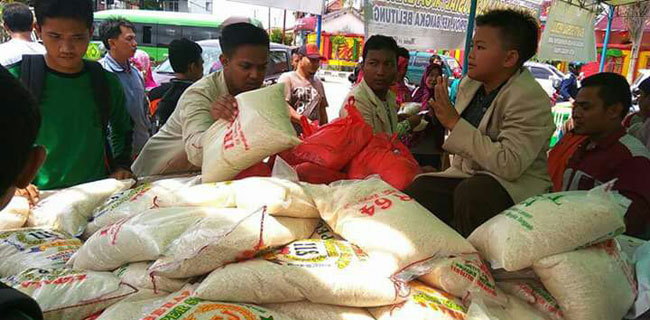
(548, 76)
(420, 60)
(279, 62)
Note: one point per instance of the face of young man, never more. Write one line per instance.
(124, 46)
(245, 69)
(380, 69)
(309, 66)
(66, 41)
(487, 57)
(590, 115)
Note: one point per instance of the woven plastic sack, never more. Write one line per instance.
(535, 294)
(313, 173)
(21, 249)
(324, 232)
(592, 283)
(281, 197)
(306, 310)
(134, 306)
(334, 144)
(68, 294)
(137, 275)
(227, 236)
(261, 129)
(130, 202)
(69, 209)
(321, 271)
(385, 222)
(550, 224)
(389, 158)
(423, 303)
(15, 214)
(515, 309)
(143, 237)
(182, 305)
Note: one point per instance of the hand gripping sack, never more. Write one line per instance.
(389, 158)
(306, 310)
(321, 271)
(227, 236)
(69, 209)
(261, 129)
(592, 283)
(143, 237)
(67, 294)
(149, 195)
(15, 214)
(423, 303)
(137, 275)
(182, 305)
(385, 222)
(535, 294)
(281, 197)
(313, 173)
(333, 145)
(550, 224)
(21, 249)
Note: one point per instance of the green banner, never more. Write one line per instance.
(569, 34)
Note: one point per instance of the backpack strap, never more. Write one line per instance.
(32, 74)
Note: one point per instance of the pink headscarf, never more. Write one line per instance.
(141, 61)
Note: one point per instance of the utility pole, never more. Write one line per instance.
(270, 29)
(284, 26)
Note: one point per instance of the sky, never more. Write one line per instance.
(224, 9)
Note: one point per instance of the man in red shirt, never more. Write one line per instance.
(608, 152)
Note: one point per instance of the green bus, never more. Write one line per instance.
(156, 29)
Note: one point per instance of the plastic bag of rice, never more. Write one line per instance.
(69, 294)
(423, 303)
(134, 306)
(385, 223)
(305, 310)
(143, 237)
(69, 209)
(321, 271)
(133, 201)
(182, 305)
(137, 275)
(535, 294)
(592, 283)
(15, 214)
(281, 197)
(262, 128)
(515, 309)
(550, 224)
(21, 249)
(226, 236)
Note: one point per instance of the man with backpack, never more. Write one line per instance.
(78, 100)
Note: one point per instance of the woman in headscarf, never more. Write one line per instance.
(142, 62)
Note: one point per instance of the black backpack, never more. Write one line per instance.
(32, 74)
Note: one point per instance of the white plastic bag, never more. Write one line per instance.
(137, 275)
(535, 294)
(143, 237)
(133, 201)
(226, 236)
(21, 249)
(15, 214)
(550, 224)
(642, 261)
(262, 128)
(321, 271)
(69, 209)
(423, 303)
(306, 310)
(593, 283)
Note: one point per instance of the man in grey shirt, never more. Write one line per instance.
(118, 35)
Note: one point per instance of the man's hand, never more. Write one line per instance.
(225, 108)
(122, 174)
(31, 193)
(442, 107)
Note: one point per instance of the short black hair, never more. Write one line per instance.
(519, 30)
(19, 125)
(612, 89)
(379, 42)
(18, 17)
(240, 34)
(110, 29)
(182, 53)
(80, 10)
(403, 52)
(645, 86)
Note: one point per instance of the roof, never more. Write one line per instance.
(618, 24)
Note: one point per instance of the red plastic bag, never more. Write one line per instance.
(259, 170)
(333, 145)
(389, 158)
(313, 173)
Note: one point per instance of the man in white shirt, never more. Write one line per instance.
(19, 22)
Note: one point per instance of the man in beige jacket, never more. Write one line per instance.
(178, 146)
(499, 131)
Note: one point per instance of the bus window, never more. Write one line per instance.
(200, 33)
(147, 32)
(96, 25)
(167, 33)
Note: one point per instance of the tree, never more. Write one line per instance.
(635, 17)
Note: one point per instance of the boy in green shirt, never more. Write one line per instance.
(86, 129)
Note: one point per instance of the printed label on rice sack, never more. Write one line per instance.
(316, 253)
(474, 270)
(324, 232)
(438, 301)
(519, 213)
(235, 136)
(54, 245)
(612, 248)
(118, 199)
(541, 299)
(378, 202)
(36, 278)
